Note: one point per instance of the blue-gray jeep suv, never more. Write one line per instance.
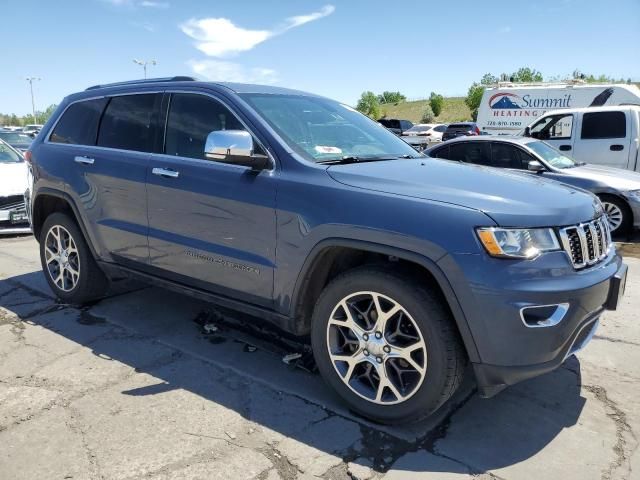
(296, 209)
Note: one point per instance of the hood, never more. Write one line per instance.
(509, 199)
(13, 179)
(623, 180)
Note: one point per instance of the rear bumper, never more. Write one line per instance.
(493, 293)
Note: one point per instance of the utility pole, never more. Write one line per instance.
(33, 102)
(144, 63)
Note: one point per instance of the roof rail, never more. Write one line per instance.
(179, 78)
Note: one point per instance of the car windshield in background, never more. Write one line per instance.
(15, 138)
(552, 156)
(420, 128)
(8, 154)
(323, 130)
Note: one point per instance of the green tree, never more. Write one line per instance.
(436, 103)
(369, 105)
(526, 74)
(488, 79)
(428, 115)
(391, 97)
(474, 97)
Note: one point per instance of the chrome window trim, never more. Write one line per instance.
(96, 97)
(163, 91)
(228, 107)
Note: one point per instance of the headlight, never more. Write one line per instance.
(518, 242)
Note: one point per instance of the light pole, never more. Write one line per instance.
(144, 63)
(33, 102)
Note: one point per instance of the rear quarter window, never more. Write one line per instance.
(79, 123)
(599, 125)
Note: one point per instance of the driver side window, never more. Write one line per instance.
(191, 118)
(553, 127)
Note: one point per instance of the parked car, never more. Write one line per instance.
(32, 129)
(396, 126)
(424, 133)
(17, 140)
(602, 136)
(619, 191)
(299, 210)
(12, 128)
(13, 183)
(460, 129)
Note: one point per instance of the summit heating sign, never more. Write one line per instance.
(511, 101)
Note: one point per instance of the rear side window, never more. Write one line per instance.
(191, 119)
(477, 153)
(604, 125)
(442, 152)
(505, 156)
(79, 123)
(129, 122)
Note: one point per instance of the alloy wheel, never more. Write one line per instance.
(376, 348)
(615, 216)
(62, 258)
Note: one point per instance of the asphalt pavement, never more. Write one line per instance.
(149, 384)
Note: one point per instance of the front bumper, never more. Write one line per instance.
(13, 216)
(493, 292)
(634, 204)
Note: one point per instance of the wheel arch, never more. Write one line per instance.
(48, 201)
(320, 267)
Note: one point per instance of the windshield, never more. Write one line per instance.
(8, 154)
(323, 130)
(552, 156)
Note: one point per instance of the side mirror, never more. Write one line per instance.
(234, 146)
(535, 166)
(527, 131)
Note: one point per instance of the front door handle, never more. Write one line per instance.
(565, 148)
(84, 160)
(616, 148)
(165, 172)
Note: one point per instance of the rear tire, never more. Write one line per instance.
(618, 213)
(67, 262)
(402, 353)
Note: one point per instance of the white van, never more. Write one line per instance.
(599, 135)
(509, 107)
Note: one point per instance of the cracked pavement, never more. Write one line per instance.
(131, 388)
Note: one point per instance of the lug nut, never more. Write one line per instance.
(365, 337)
(366, 352)
(386, 348)
(378, 335)
(379, 359)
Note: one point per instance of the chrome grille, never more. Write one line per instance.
(586, 243)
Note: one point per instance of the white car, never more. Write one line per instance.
(423, 134)
(13, 184)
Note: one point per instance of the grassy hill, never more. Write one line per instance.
(454, 110)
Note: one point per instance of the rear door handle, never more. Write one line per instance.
(616, 148)
(565, 148)
(165, 172)
(84, 160)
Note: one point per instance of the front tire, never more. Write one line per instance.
(67, 262)
(386, 344)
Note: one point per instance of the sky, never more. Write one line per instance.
(336, 48)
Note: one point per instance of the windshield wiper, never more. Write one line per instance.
(354, 159)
